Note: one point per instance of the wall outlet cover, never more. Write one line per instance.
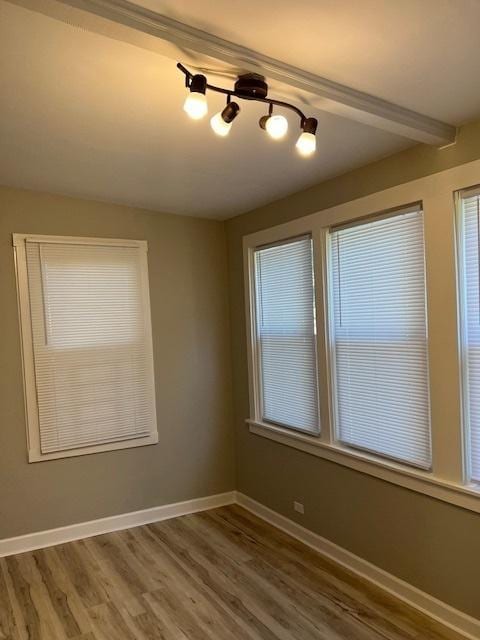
(298, 506)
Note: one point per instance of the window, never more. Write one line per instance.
(379, 338)
(469, 227)
(87, 350)
(285, 335)
(385, 411)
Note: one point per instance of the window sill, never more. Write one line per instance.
(467, 497)
(35, 455)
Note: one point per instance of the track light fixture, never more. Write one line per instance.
(250, 86)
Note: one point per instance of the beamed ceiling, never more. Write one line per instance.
(93, 108)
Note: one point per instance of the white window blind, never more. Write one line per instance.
(285, 334)
(379, 337)
(470, 273)
(91, 339)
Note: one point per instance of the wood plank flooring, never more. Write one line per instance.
(217, 575)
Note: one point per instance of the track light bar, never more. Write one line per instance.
(250, 86)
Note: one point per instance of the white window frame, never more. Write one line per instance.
(413, 208)
(447, 479)
(30, 396)
(257, 386)
(459, 196)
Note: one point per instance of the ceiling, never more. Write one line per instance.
(420, 54)
(91, 116)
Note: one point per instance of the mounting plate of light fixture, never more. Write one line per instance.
(250, 86)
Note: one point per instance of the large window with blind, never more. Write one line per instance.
(379, 337)
(339, 326)
(469, 272)
(87, 345)
(285, 340)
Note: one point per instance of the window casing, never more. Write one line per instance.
(468, 219)
(86, 343)
(378, 336)
(284, 335)
(450, 476)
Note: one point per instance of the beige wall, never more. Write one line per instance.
(431, 544)
(187, 266)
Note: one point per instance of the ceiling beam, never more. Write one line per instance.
(328, 96)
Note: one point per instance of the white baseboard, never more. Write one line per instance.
(51, 537)
(456, 620)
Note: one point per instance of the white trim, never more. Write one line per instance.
(34, 454)
(325, 94)
(51, 537)
(456, 620)
(468, 193)
(462, 328)
(466, 496)
(460, 197)
(396, 213)
(20, 239)
(447, 480)
(32, 423)
(251, 305)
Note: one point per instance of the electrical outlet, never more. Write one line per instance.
(298, 506)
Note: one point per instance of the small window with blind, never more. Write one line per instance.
(87, 345)
(469, 275)
(379, 337)
(285, 336)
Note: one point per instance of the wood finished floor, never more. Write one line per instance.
(217, 575)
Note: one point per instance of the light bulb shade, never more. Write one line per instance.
(310, 125)
(306, 143)
(198, 83)
(276, 126)
(219, 126)
(230, 112)
(196, 105)
(221, 122)
(263, 122)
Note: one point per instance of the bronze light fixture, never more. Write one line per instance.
(249, 86)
